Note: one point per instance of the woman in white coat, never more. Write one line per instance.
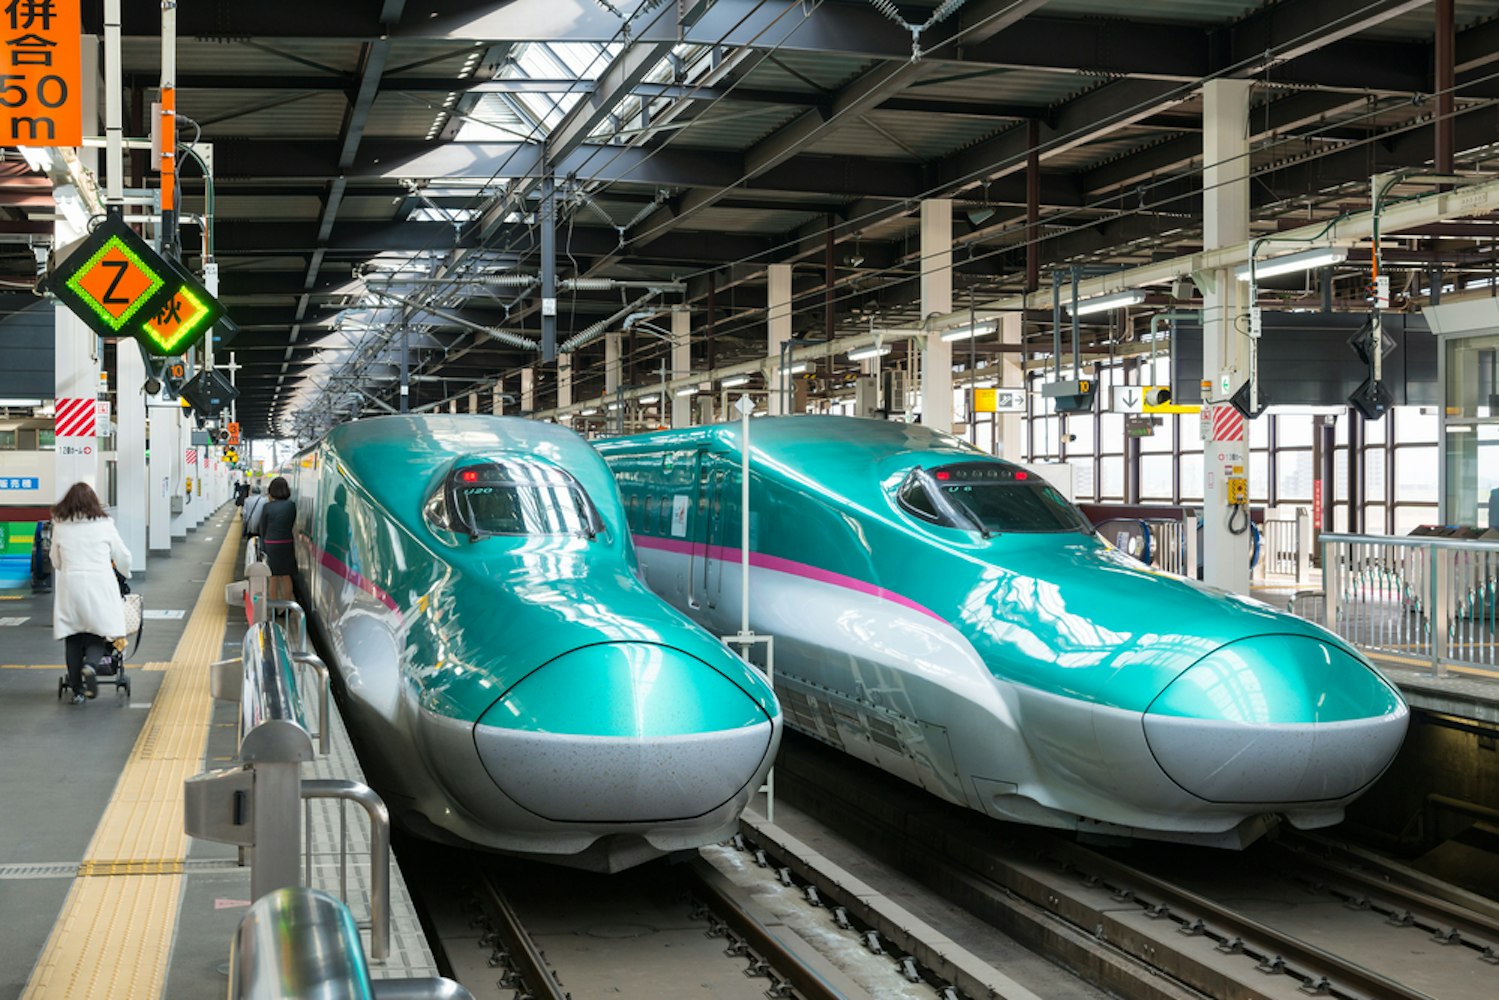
(86, 603)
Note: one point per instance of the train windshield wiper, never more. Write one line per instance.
(954, 511)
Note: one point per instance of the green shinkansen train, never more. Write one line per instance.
(511, 682)
(952, 619)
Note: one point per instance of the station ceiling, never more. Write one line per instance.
(378, 163)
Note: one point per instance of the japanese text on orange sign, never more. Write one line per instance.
(41, 100)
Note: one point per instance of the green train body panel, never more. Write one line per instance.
(1063, 613)
(534, 598)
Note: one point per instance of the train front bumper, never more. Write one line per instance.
(624, 732)
(1278, 720)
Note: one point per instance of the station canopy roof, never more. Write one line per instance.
(378, 166)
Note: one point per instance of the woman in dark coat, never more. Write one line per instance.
(276, 524)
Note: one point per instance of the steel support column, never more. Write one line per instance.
(936, 300)
(681, 364)
(1444, 74)
(778, 315)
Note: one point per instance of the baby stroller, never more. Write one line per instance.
(104, 660)
(103, 663)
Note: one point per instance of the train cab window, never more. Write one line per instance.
(988, 497)
(511, 497)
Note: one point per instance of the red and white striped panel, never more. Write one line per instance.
(1228, 423)
(192, 456)
(74, 416)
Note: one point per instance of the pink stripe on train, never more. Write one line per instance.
(780, 565)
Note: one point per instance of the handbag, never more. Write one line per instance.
(134, 611)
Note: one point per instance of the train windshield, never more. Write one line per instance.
(512, 497)
(988, 497)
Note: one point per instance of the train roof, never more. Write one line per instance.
(829, 440)
(396, 458)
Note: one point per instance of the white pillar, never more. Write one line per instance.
(564, 380)
(132, 509)
(1011, 376)
(1225, 213)
(528, 391)
(159, 478)
(178, 452)
(681, 364)
(76, 387)
(473, 402)
(936, 299)
(613, 368)
(778, 312)
(497, 400)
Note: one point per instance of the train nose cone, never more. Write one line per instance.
(624, 732)
(1276, 719)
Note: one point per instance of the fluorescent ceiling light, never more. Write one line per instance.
(735, 381)
(968, 332)
(1304, 410)
(1306, 260)
(648, 400)
(591, 411)
(615, 406)
(865, 353)
(691, 390)
(795, 369)
(20, 402)
(1103, 303)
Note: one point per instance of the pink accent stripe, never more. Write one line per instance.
(330, 561)
(788, 566)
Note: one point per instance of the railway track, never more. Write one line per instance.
(665, 930)
(1302, 917)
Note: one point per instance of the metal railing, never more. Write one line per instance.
(1167, 543)
(1421, 600)
(379, 819)
(297, 942)
(1286, 547)
(258, 805)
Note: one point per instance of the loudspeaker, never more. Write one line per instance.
(1372, 399)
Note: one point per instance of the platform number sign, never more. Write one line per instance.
(120, 287)
(41, 93)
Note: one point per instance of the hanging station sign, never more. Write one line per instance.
(117, 284)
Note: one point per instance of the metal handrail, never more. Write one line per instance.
(379, 817)
(321, 669)
(1419, 599)
(297, 942)
(271, 714)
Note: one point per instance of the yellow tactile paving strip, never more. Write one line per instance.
(115, 931)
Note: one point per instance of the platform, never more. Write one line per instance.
(101, 893)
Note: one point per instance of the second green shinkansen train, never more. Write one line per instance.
(512, 682)
(952, 619)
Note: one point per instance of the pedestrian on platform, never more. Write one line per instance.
(254, 511)
(87, 553)
(277, 519)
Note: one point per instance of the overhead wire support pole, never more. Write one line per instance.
(114, 128)
(167, 124)
(546, 218)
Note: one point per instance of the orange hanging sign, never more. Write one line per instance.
(41, 79)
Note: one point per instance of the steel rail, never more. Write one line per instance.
(525, 957)
(1272, 948)
(1419, 896)
(784, 963)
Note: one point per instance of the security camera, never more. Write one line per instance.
(1159, 396)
